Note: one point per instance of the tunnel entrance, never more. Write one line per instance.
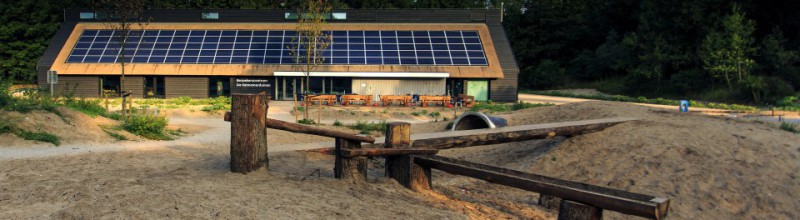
(477, 120)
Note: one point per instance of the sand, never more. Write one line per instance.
(709, 166)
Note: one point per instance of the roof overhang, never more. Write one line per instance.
(368, 74)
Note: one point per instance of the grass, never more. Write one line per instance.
(337, 123)
(366, 128)
(147, 126)
(41, 136)
(115, 135)
(789, 127)
(641, 99)
(501, 107)
(86, 106)
(306, 121)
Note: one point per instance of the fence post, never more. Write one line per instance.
(249, 132)
(353, 168)
(402, 168)
(570, 210)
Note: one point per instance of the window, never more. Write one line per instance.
(339, 16)
(210, 16)
(88, 15)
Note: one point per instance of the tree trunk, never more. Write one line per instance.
(352, 169)
(249, 132)
(402, 168)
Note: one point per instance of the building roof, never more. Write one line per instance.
(486, 23)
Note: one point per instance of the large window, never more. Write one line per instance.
(430, 48)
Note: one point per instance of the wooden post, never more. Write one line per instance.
(402, 168)
(123, 107)
(294, 111)
(249, 132)
(352, 168)
(548, 201)
(570, 210)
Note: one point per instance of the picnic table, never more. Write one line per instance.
(330, 99)
(443, 99)
(386, 99)
(346, 99)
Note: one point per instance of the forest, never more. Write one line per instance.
(744, 51)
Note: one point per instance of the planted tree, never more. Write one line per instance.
(728, 53)
(311, 40)
(126, 18)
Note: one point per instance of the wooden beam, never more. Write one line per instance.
(468, 138)
(386, 152)
(569, 210)
(298, 128)
(601, 197)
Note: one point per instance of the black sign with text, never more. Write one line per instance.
(251, 85)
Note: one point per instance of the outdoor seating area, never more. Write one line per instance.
(461, 100)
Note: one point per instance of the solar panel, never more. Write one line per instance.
(428, 48)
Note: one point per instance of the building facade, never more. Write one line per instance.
(208, 53)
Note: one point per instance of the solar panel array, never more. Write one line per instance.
(450, 48)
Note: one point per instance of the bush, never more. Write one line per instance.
(415, 113)
(337, 123)
(789, 127)
(366, 128)
(146, 125)
(306, 121)
(115, 135)
(89, 107)
(39, 136)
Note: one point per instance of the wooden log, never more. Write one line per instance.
(468, 138)
(570, 210)
(402, 168)
(248, 132)
(349, 168)
(298, 128)
(386, 152)
(548, 201)
(601, 197)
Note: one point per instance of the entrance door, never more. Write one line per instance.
(478, 89)
(288, 84)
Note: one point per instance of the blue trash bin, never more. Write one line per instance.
(684, 107)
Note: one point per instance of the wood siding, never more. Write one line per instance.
(374, 86)
(135, 84)
(191, 86)
(505, 89)
(52, 51)
(82, 86)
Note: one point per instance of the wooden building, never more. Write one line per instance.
(207, 53)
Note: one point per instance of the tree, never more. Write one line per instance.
(728, 53)
(311, 40)
(124, 18)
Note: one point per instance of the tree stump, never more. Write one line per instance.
(570, 210)
(353, 168)
(249, 132)
(548, 201)
(402, 168)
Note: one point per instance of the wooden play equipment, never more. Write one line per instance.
(327, 99)
(402, 99)
(348, 99)
(439, 99)
(409, 160)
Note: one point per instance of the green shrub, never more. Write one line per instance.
(146, 125)
(86, 106)
(415, 113)
(787, 101)
(115, 135)
(449, 125)
(789, 127)
(368, 127)
(39, 136)
(337, 123)
(523, 105)
(435, 114)
(306, 121)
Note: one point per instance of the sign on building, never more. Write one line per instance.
(250, 85)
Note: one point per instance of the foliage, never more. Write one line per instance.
(337, 123)
(449, 125)
(306, 121)
(86, 106)
(501, 107)
(642, 99)
(366, 128)
(788, 101)
(789, 127)
(312, 40)
(146, 125)
(115, 135)
(727, 54)
(42, 136)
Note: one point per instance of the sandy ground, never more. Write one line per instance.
(709, 166)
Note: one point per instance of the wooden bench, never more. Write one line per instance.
(329, 99)
(404, 99)
(347, 99)
(441, 99)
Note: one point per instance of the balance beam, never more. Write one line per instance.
(601, 197)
